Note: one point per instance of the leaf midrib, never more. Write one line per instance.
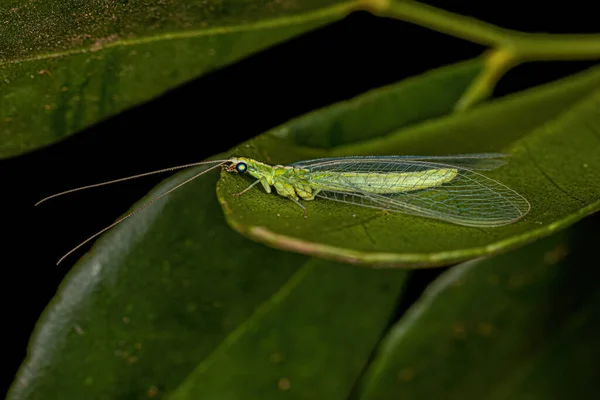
(332, 11)
(267, 305)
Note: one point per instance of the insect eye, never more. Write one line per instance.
(241, 167)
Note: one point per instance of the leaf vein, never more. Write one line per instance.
(333, 11)
(548, 177)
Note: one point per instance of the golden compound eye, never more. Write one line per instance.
(241, 167)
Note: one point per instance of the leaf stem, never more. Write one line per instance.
(549, 47)
(497, 62)
(438, 20)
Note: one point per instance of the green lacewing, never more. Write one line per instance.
(446, 188)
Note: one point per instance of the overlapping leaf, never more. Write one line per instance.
(523, 325)
(166, 303)
(551, 133)
(67, 65)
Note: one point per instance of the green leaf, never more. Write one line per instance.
(300, 333)
(173, 302)
(383, 110)
(550, 131)
(523, 325)
(60, 77)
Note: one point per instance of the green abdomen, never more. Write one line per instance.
(382, 182)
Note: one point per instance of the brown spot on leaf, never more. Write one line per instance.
(276, 358)
(517, 281)
(485, 328)
(284, 384)
(100, 43)
(152, 391)
(459, 331)
(406, 374)
(557, 255)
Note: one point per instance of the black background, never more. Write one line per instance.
(214, 113)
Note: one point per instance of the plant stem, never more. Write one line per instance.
(509, 47)
(438, 20)
(497, 62)
(548, 47)
(526, 46)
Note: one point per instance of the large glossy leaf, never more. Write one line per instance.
(174, 304)
(66, 65)
(523, 325)
(551, 132)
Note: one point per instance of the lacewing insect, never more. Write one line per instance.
(446, 188)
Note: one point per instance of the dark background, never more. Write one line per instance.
(214, 113)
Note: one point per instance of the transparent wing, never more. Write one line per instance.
(475, 161)
(469, 198)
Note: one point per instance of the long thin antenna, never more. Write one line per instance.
(130, 177)
(221, 162)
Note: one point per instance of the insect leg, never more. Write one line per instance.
(306, 195)
(265, 184)
(301, 206)
(248, 188)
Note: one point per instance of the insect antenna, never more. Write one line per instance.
(220, 163)
(131, 177)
